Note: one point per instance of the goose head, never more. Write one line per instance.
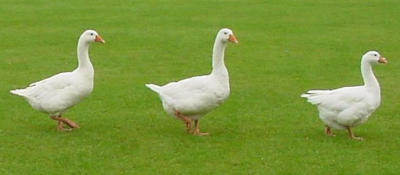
(91, 36)
(374, 57)
(226, 35)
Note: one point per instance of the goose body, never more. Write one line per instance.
(57, 93)
(348, 107)
(192, 98)
(54, 95)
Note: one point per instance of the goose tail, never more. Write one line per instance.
(315, 96)
(154, 88)
(19, 92)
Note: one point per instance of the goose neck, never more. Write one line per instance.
(83, 56)
(368, 76)
(218, 63)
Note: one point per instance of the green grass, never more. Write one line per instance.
(286, 48)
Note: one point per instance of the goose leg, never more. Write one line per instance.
(61, 121)
(60, 126)
(328, 131)
(351, 134)
(197, 130)
(70, 123)
(186, 120)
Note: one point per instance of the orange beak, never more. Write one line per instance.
(99, 39)
(382, 60)
(233, 39)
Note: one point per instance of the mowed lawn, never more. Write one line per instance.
(286, 48)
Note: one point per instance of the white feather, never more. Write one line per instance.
(196, 96)
(348, 106)
(57, 93)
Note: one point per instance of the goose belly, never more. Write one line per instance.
(194, 107)
(350, 117)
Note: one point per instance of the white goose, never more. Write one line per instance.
(348, 107)
(192, 98)
(56, 94)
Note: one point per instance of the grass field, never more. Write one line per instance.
(286, 48)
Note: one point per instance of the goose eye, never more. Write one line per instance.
(225, 33)
(91, 34)
(375, 54)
